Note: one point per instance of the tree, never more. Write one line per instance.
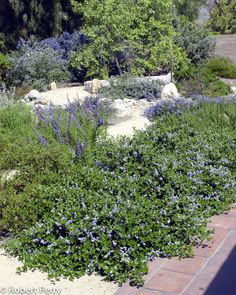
(223, 17)
(188, 8)
(126, 36)
(40, 18)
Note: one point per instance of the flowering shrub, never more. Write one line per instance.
(78, 126)
(180, 105)
(137, 199)
(36, 65)
(68, 43)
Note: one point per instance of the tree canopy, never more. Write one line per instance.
(41, 18)
(127, 36)
(223, 17)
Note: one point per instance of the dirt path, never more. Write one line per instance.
(128, 127)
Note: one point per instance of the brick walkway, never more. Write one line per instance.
(211, 272)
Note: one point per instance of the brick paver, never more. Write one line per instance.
(210, 272)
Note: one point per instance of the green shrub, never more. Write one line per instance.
(132, 88)
(15, 118)
(142, 197)
(223, 17)
(123, 37)
(201, 81)
(222, 67)
(4, 66)
(194, 40)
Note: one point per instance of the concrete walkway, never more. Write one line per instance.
(226, 46)
(212, 271)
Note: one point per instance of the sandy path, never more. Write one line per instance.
(128, 127)
(60, 96)
(10, 281)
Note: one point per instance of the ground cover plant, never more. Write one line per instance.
(130, 201)
(201, 80)
(222, 67)
(132, 88)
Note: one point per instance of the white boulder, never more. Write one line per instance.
(162, 79)
(33, 95)
(169, 91)
(9, 175)
(94, 85)
(53, 85)
(122, 109)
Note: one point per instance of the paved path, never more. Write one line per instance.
(226, 46)
(211, 272)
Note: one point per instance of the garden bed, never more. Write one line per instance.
(109, 206)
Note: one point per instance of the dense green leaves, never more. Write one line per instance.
(139, 198)
(127, 38)
(188, 8)
(23, 18)
(222, 67)
(223, 17)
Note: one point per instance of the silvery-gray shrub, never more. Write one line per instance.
(36, 64)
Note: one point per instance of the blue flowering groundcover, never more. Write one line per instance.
(90, 203)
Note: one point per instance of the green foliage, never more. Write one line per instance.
(194, 40)
(223, 17)
(199, 80)
(222, 67)
(127, 38)
(132, 88)
(188, 8)
(44, 18)
(36, 65)
(4, 66)
(141, 197)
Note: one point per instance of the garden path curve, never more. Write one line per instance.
(125, 126)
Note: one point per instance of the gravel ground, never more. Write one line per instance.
(11, 282)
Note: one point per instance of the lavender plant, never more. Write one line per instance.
(78, 126)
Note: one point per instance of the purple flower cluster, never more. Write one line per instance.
(66, 42)
(37, 64)
(177, 106)
(77, 126)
